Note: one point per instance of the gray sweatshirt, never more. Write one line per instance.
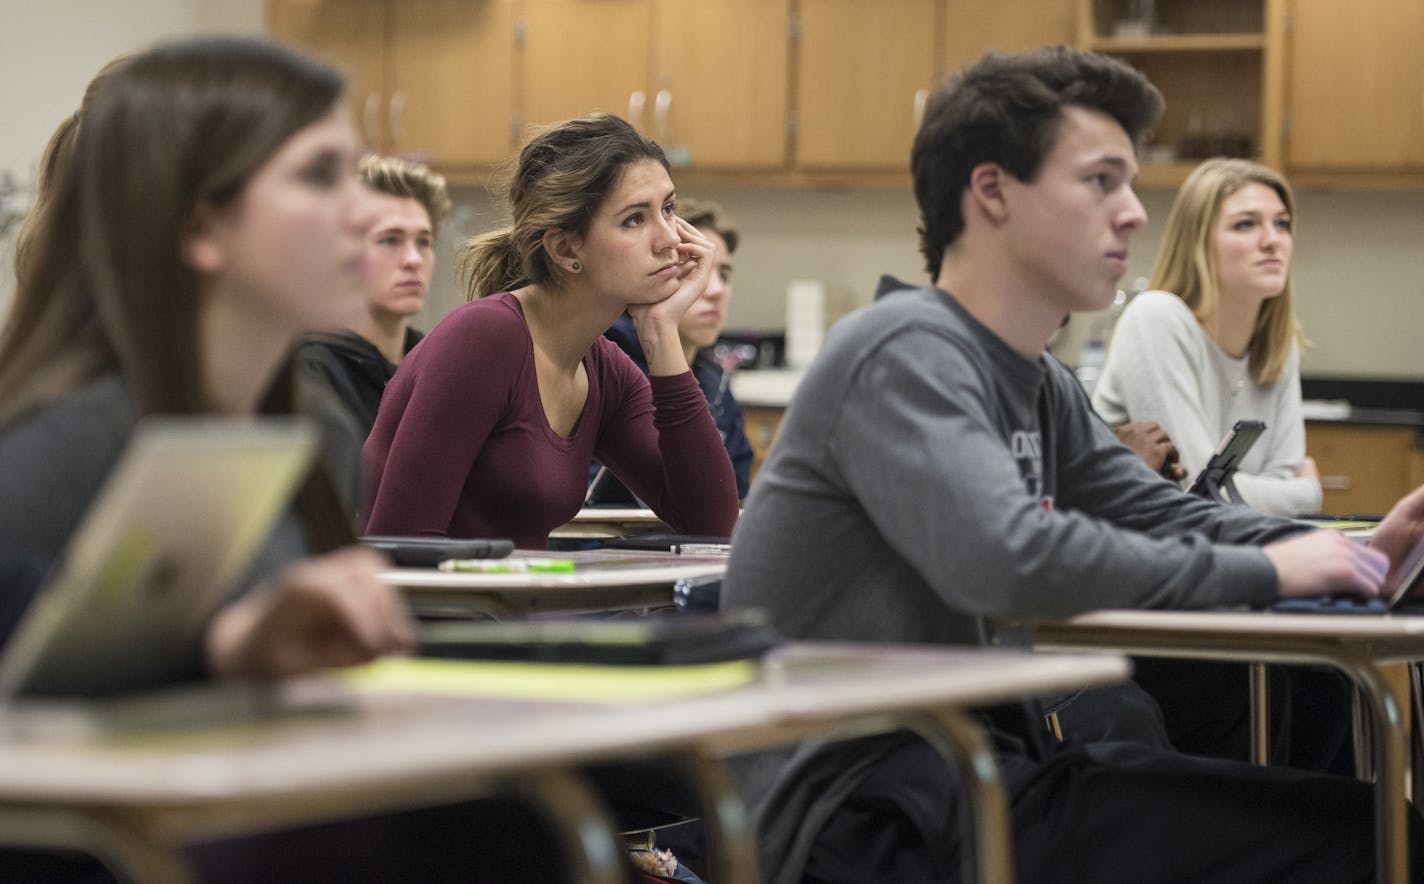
(928, 481)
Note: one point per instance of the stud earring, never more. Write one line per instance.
(575, 266)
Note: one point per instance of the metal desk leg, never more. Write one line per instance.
(1416, 705)
(1361, 729)
(963, 744)
(731, 846)
(593, 848)
(1260, 714)
(1387, 741)
(121, 848)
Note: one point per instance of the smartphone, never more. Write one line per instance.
(427, 552)
(1214, 481)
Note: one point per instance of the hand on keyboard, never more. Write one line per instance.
(1332, 604)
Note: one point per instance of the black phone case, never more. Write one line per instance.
(427, 552)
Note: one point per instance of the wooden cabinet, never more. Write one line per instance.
(762, 423)
(351, 36)
(707, 81)
(1218, 64)
(428, 79)
(862, 77)
(972, 27)
(581, 56)
(1355, 86)
(448, 93)
(815, 89)
(1364, 468)
(721, 91)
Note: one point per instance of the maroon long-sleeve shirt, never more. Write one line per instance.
(461, 446)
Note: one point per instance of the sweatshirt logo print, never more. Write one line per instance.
(1027, 448)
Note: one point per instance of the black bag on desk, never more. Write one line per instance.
(645, 641)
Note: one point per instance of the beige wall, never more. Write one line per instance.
(49, 50)
(1360, 256)
(1359, 264)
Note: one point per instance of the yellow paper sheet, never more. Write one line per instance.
(549, 681)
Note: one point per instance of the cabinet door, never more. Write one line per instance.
(972, 27)
(451, 63)
(721, 85)
(1356, 85)
(1363, 468)
(863, 73)
(581, 56)
(350, 35)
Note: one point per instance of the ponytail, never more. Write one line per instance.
(491, 263)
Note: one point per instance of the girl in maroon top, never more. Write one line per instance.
(488, 426)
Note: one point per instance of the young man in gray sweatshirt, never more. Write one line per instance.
(938, 475)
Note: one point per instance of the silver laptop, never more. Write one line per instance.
(178, 521)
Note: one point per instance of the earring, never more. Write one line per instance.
(575, 266)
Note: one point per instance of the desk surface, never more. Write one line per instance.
(592, 568)
(1385, 637)
(1354, 644)
(602, 580)
(413, 741)
(605, 521)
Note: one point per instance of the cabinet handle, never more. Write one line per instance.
(921, 96)
(662, 103)
(636, 101)
(1335, 483)
(397, 116)
(369, 110)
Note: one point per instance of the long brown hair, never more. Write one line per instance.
(1184, 263)
(563, 176)
(104, 285)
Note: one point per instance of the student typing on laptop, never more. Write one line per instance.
(942, 475)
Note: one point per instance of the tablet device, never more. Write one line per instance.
(427, 552)
(1214, 481)
(176, 524)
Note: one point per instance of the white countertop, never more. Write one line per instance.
(766, 387)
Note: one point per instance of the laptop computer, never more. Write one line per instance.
(177, 522)
(1404, 592)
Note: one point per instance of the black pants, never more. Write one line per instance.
(1111, 812)
(1206, 707)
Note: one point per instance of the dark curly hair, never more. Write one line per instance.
(1006, 109)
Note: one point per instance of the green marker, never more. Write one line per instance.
(508, 566)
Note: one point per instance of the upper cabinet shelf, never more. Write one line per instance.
(1218, 64)
(1179, 43)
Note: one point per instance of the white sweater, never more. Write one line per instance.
(1162, 366)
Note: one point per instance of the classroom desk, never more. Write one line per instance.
(606, 521)
(134, 801)
(603, 580)
(1356, 645)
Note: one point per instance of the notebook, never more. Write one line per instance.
(177, 522)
